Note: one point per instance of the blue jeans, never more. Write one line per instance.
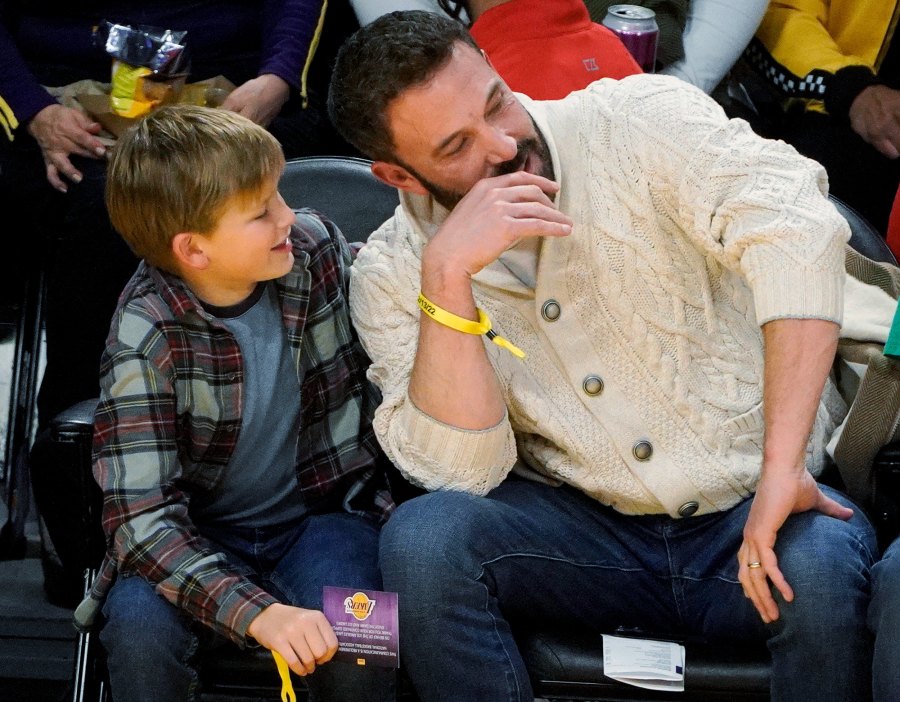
(150, 643)
(467, 568)
(884, 621)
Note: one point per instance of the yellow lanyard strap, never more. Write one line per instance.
(467, 326)
(287, 687)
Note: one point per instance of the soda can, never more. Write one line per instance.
(636, 27)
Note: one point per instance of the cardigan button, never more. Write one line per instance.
(592, 385)
(688, 508)
(550, 310)
(642, 450)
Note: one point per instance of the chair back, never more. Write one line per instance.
(343, 188)
(863, 236)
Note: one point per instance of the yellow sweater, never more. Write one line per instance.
(691, 231)
(808, 41)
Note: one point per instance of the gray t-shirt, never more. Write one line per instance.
(259, 485)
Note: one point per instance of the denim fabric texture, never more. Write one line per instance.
(884, 620)
(470, 569)
(150, 643)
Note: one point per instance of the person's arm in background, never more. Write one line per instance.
(716, 34)
(796, 37)
(367, 11)
(875, 115)
(26, 106)
(291, 30)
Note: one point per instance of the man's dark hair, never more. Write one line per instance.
(397, 51)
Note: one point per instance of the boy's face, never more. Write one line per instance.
(249, 244)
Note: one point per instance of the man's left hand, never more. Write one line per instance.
(777, 497)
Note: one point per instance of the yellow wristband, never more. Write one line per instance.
(467, 326)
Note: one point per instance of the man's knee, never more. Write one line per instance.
(828, 563)
(432, 532)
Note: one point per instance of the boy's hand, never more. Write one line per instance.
(303, 637)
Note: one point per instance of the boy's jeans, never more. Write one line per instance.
(149, 642)
(884, 620)
(529, 554)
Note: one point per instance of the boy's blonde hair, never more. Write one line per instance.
(177, 169)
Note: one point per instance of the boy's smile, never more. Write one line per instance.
(251, 243)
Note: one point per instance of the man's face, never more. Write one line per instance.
(461, 126)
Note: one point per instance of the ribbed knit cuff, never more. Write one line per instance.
(448, 457)
(791, 293)
(843, 88)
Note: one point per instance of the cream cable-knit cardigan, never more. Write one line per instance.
(690, 232)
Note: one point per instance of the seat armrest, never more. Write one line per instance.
(886, 492)
(570, 664)
(75, 422)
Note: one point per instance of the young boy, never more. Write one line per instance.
(232, 440)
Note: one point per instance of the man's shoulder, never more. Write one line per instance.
(387, 245)
(640, 86)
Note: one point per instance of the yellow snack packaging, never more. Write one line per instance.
(126, 96)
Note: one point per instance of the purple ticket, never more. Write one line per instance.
(365, 623)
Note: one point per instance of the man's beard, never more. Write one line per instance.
(538, 146)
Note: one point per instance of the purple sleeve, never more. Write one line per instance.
(21, 96)
(289, 27)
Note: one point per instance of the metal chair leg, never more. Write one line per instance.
(20, 425)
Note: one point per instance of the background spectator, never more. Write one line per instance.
(715, 35)
(52, 163)
(835, 65)
(544, 49)
(699, 40)
(369, 10)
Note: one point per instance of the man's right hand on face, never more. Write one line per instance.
(303, 637)
(492, 217)
(875, 116)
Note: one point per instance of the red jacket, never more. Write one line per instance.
(893, 228)
(548, 49)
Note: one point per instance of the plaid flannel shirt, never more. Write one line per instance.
(170, 415)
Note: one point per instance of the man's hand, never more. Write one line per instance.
(61, 132)
(875, 116)
(259, 99)
(492, 217)
(798, 358)
(452, 379)
(303, 637)
(778, 495)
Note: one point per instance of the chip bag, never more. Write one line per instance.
(146, 64)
